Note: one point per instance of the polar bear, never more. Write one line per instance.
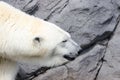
(28, 39)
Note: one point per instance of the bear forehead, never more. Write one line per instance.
(42, 28)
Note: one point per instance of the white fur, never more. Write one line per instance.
(8, 70)
(17, 41)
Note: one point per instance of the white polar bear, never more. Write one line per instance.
(25, 38)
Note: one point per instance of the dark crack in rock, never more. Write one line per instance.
(111, 68)
(31, 7)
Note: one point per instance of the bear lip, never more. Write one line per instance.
(69, 57)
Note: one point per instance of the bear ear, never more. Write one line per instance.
(37, 39)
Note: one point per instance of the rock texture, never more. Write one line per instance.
(93, 24)
(110, 69)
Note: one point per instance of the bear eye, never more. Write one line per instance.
(37, 39)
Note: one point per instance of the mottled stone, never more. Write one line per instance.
(111, 67)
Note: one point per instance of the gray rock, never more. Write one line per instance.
(111, 67)
(59, 72)
(90, 22)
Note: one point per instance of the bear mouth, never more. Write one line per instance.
(68, 57)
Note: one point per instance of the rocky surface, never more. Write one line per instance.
(93, 24)
(110, 69)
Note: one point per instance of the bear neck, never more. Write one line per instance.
(8, 69)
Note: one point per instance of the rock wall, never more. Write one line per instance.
(93, 24)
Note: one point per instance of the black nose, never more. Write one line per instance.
(68, 57)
